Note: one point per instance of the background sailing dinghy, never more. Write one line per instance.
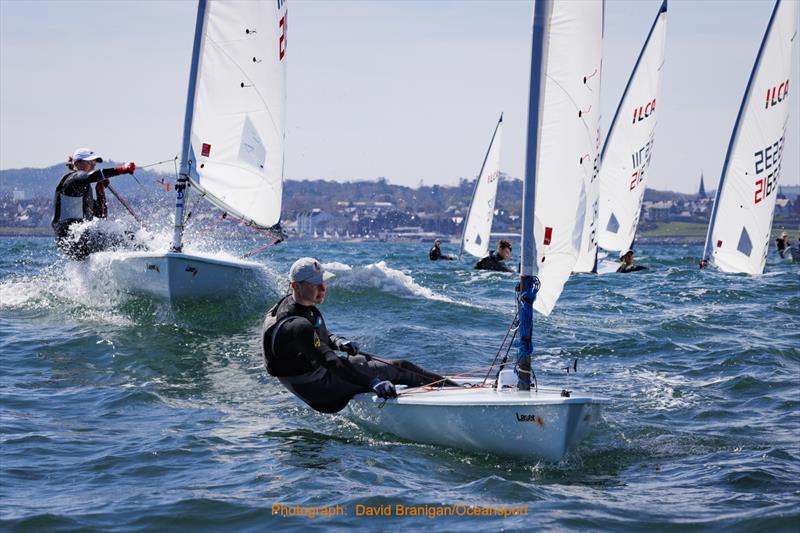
(629, 144)
(738, 235)
(509, 417)
(232, 150)
(478, 224)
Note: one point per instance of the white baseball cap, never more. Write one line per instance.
(309, 270)
(86, 154)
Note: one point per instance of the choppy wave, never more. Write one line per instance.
(384, 278)
(170, 423)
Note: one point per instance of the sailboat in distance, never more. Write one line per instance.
(741, 219)
(515, 417)
(478, 222)
(232, 151)
(629, 145)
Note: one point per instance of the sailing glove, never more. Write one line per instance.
(351, 347)
(127, 168)
(384, 389)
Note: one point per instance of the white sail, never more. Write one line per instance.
(629, 144)
(563, 141)
(237, 131)
(741, 220)
(478, 224)
(590, 195)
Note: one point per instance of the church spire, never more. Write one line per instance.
(702, 192)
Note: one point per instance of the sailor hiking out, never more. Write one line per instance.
(74, 203)
(626, 263)
(496, 259)
(299, 350)
(436, 254)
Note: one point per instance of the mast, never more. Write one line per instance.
(708, 248)
(186, 151)
(528, 268)
(475, 189)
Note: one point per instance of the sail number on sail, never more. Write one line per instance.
(768, 158)
(641, 160)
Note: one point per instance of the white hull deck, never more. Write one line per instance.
(531, 425)
(177, 276)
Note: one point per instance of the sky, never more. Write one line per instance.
(407, 90)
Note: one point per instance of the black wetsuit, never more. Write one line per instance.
(782, 246)
(624, 269)
(436, 254)
(305, 362)
(74, 203)
(493, 261)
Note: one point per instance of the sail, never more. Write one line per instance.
(478, 224)
(629, 144)
(237, 123)
(741, 220)
(563, 143)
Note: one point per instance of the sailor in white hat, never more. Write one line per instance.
(299, 350)
(75, 203)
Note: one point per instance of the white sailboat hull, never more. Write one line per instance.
(531, 425)
(177, 276)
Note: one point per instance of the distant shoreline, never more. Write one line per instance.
(679, 233)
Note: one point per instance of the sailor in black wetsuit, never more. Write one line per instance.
(299, 350)
(495, 260)
(74, 203)
(435, 253)
(626, 263)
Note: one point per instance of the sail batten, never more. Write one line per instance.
(627, 152)
(741, 218)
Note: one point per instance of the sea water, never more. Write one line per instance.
(119, 413)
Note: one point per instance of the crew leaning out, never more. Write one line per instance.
(436, 254)
(299, 350)
(626, 263)
(74, 203)
(496, 259)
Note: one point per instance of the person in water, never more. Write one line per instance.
(299, 350)
(74, 203)
(496, 260)
(626, 263)
(435, 253)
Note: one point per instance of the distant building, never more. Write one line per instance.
(18, 195)
(310, 223)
